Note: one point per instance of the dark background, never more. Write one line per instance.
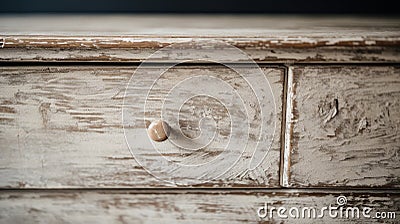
(200, 6)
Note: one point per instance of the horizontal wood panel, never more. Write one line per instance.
(197, 25)
(184, 207)
(343, 127)
(269, 39)
(261, 54)
(61, 127)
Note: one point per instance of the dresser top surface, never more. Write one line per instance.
(199, 25)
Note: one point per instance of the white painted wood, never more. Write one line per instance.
(287, 133)
(263, 54)
(267, 39)
(183, 207)
(344, 126)
(195, 25)
(61, 127)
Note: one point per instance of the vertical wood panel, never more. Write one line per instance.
(344, 126)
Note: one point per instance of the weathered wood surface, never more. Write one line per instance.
(374, 54)
(343, 127)
(61, 127)
(194, 25)
(61, 131)
(270, 39)
(183, 207)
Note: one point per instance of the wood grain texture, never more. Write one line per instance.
(343, 126)
(183, 206)
(263, 54)
(195, 25)
(269, 39)
(61, 127)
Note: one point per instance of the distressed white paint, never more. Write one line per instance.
(270, 39)
(61, 127)
(288, 125)
(181, 206)
(346, 126)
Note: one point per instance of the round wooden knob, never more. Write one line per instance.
(158, 130)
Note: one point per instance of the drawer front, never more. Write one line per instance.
(343, 126)
(61, 126)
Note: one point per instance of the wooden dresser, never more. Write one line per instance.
(261, 111)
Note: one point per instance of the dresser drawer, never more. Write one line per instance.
(343, 126)
(62, 127)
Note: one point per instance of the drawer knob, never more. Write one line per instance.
(158, 130)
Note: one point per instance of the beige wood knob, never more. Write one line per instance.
(158, 130)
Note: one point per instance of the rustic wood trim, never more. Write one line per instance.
(288, 127)
(267, 39)
(181, 206)
(268, 55)
(156, 42)
(281, 48)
